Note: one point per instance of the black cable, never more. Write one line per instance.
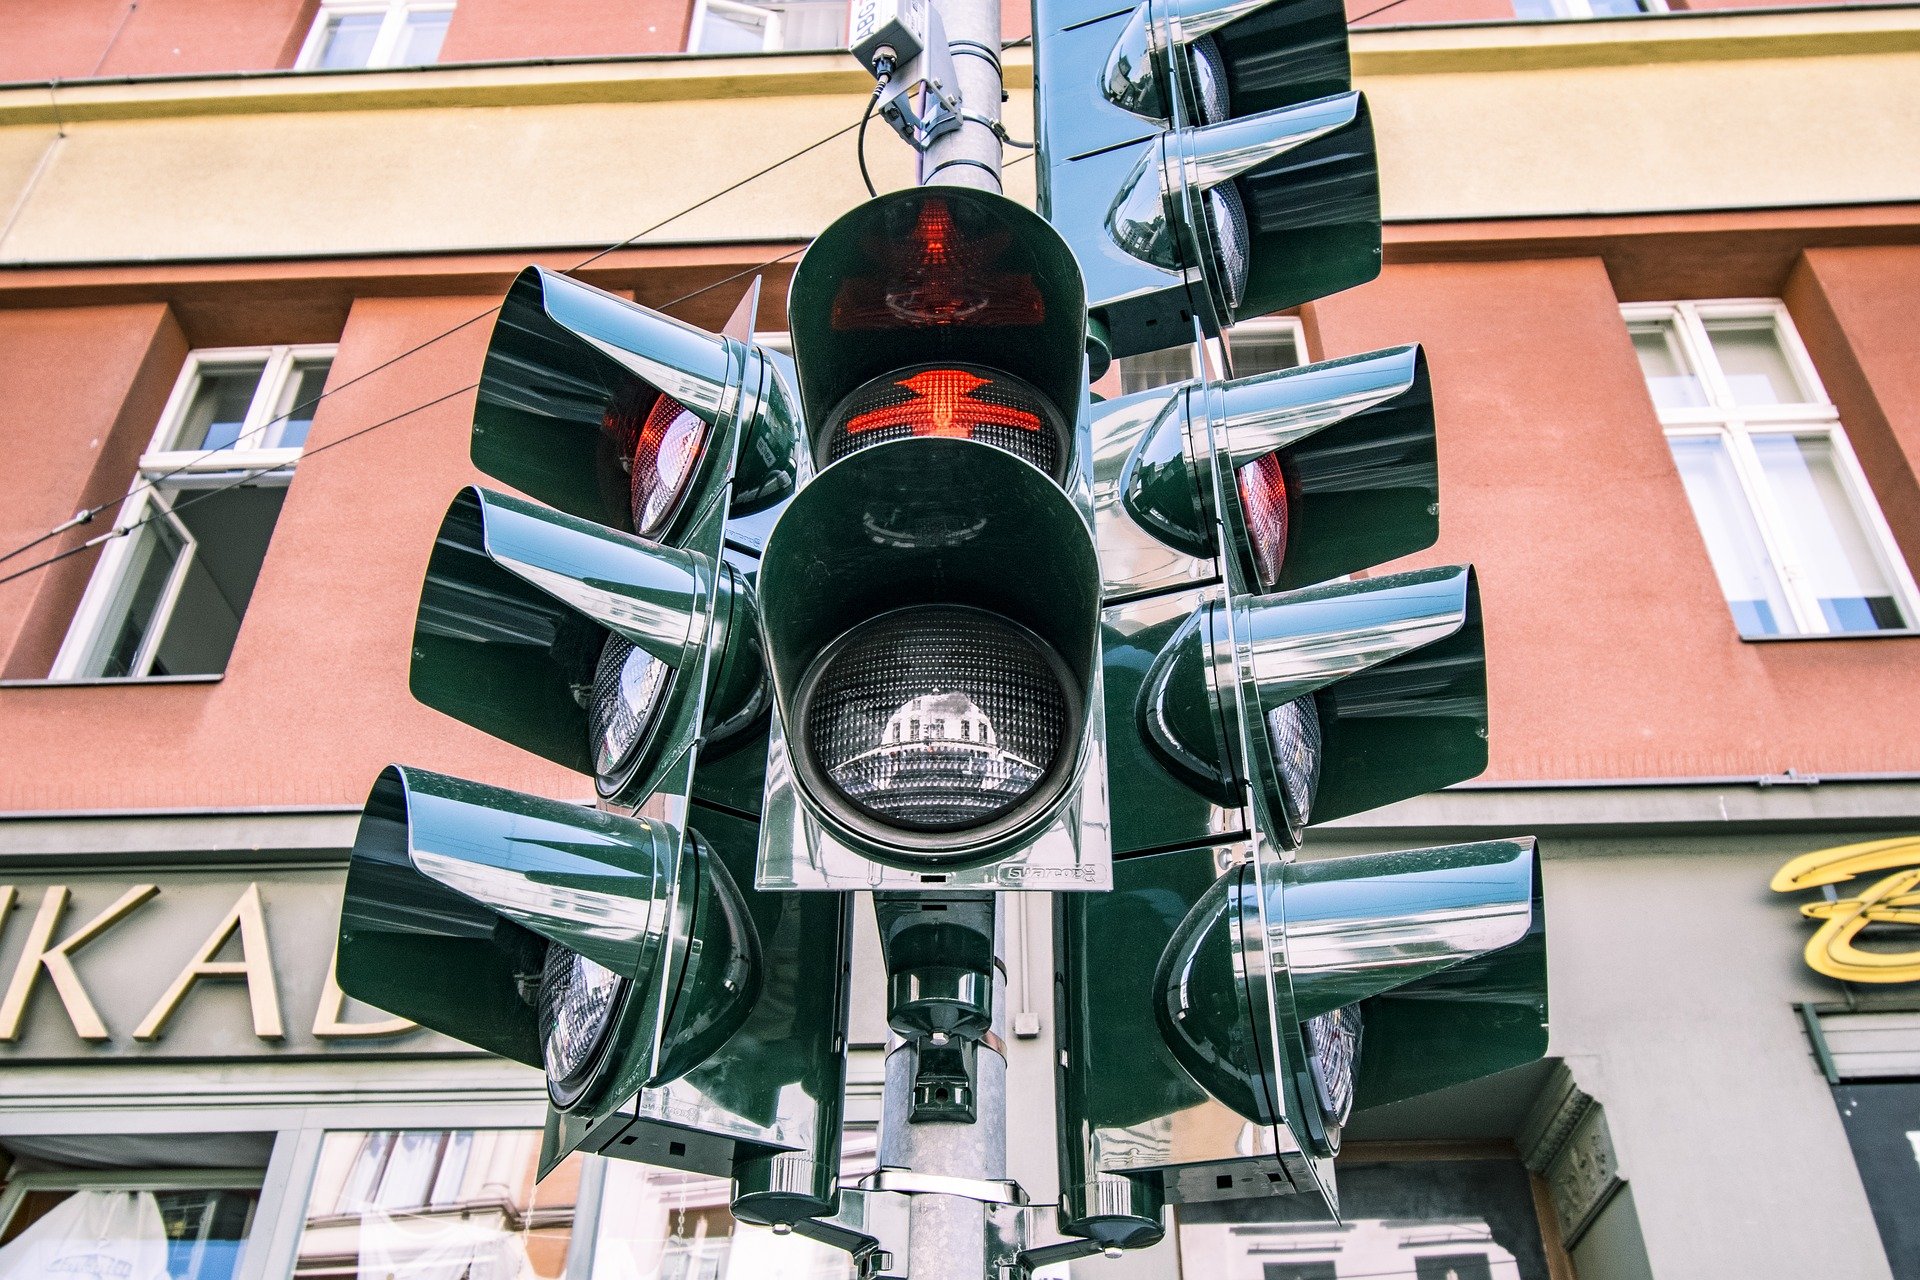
(883, 66)
(1369, 13)
(860, 143)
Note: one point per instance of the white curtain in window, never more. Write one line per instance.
(433, 1247)
(92, 1233)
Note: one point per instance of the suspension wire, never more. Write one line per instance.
(243, 479)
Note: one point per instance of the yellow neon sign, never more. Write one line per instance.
(1893, 899)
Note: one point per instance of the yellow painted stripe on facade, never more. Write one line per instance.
(1703, 111)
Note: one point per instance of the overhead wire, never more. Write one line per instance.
(87, 514)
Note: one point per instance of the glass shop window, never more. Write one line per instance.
(65, 1217)
(417, 1203)
(1416, 1220)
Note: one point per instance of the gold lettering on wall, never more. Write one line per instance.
(254, 967)
(55, 959)
(329, 1023)
(1891, 900)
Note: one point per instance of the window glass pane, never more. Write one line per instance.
(1827, 538)
(183, 1235)
(421, 38)
(497, 1224)
(217, 409)
(231, 529)
(732, 28)
(1754, 363)
(293, 416)
(1882, 1121)
(1739, 557)
(1670, 378)
(1155, 369)
(154, 549)
(408, 1180)
(1535, 9)
(1415, 1220)
(347, 41)
(1262, 352)
(813, 26)
(1614, 9)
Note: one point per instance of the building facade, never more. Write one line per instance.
(1664, 263)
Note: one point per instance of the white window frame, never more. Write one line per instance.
(163, 471)
(773, 37)
(1737, 424)
(386, 43)
(1262, 327)
(1584, 9)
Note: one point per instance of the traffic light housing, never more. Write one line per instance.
(937, 719)
(1228, 1022)
(683, 1017)
(1206, 160)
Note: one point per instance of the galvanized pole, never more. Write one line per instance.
(970, 155)
(948, 1232)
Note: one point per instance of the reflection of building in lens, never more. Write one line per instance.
(939, 763)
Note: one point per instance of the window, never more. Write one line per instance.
(731, 26)
(1882, 1120)
(167, 597)
(1792, 530)
(429, 1202)
(1414, 1220)
(1258, 346)
(677, 1226)
(352, 35)
(186, 1225)
(1586, 8)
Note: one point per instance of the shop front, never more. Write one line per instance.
(187, 1094)
(184, 1092)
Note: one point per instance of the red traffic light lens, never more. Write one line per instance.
(663, 451)
(939, 271)
(965, 402)
(1263, 497)
(936, 718)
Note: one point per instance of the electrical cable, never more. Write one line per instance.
(87, 514)
(245, 478)
(882, 68)
(1369, 13)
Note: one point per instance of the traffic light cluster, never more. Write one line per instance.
(913, 612)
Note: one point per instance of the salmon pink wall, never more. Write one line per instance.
(1611, 653)
(314, 701)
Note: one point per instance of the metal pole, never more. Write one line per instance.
(947, 1237)
(970, 155)
(948, 1233)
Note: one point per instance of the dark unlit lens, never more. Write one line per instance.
(1209, 82)
(1294, 730)
(578, 1002)
(937, 718)
(1228, 215)
(627, 684)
